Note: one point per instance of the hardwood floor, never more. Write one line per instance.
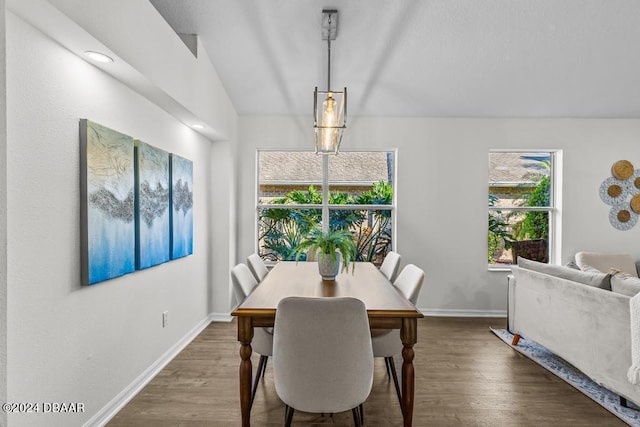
(465, 376)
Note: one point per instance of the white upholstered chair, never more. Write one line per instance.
(257, 267)
(322, 355)
(387, 343)
(312, 255)
(243, 283)
(390, 265)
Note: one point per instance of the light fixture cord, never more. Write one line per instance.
(329, 57)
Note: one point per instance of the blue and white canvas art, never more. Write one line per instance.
(107, 209)
(153, 245)
(182, 206)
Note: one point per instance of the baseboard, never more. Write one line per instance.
(220, 317)
(117, 403)
(445, 312)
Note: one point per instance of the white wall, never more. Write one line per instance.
(222, 224)
(442, 191)
(68, 343)
(3, 217)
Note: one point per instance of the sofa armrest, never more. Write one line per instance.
(634, 371)
(511, 289)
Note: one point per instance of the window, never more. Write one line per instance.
(291, 201)
(521, 206)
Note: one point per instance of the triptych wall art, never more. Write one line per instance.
(136, 204)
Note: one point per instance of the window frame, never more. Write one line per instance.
(555, 158)
(325, 183)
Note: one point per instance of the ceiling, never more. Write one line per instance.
(431, 58)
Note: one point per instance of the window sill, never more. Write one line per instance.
(500, 268)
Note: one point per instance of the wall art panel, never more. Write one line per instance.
(182, 207)
(107, 203)
(153, 240)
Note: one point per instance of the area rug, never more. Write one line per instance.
(554, 364)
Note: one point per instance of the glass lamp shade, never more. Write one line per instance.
(330, 120)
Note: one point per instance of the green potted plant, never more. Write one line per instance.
(333, 248)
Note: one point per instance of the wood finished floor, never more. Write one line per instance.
(465, 376)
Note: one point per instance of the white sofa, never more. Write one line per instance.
(577, 316)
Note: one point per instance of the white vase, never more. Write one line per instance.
(328, 267)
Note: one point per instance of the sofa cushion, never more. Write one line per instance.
(598, 279)
(625, 284)
(605, 261)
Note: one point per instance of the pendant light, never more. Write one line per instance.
(329, 107)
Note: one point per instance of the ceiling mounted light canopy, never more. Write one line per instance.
(329, 107)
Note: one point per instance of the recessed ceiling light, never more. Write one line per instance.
(98, 57)
(197, 126)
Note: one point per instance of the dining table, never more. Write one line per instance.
(386, 307)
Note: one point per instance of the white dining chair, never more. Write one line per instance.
(386, 342)
(312, 254)
(390, 265)
(257, 267)
(322, 356)
(243, 283)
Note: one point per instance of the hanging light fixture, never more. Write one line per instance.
(329, 107)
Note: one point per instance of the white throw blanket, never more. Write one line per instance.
(634, 371)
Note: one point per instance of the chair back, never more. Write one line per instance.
(409, 282)
(322, 353)
(390, 265)
(257, 267)
(243, 282)
(312, 255)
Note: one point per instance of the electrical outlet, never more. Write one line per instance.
(165, 319)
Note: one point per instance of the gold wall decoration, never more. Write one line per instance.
(622, 192)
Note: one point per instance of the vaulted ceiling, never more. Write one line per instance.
(432, 58)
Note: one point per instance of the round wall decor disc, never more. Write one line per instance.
(622, 169)
(635, 203)
(624, 215)
(622, 218)
(614, 190)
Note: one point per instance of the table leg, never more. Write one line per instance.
(245, 335)
(409, 336)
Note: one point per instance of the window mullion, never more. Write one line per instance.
(325, 193)
(287, 206)
(361, 207)
(522, 208)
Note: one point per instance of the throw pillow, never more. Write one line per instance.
(625, 284)
(572, 264)
(613, 271)
(595, 279)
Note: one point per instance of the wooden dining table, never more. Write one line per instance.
(386, 307)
